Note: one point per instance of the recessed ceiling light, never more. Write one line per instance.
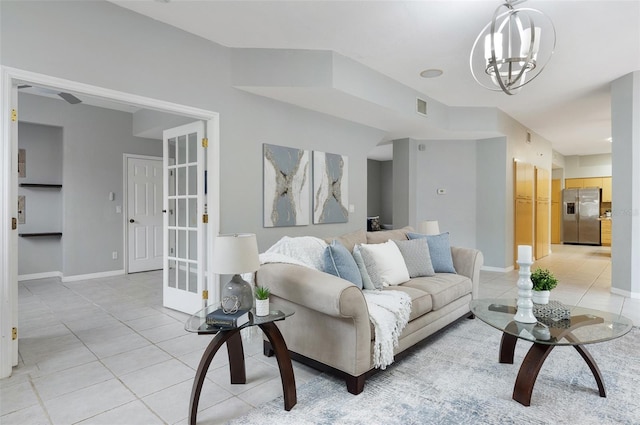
(431, 73)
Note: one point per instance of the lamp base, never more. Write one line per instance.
(240, 289)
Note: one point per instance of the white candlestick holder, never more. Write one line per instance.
(525, 304)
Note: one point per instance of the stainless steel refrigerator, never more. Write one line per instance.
(581, 216)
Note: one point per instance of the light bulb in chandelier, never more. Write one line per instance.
(510, 51)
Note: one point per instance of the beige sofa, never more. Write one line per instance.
(331, 324)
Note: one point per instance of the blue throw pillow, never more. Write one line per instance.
(338, 261)
(440, 251)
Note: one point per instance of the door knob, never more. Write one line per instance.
(131, 220)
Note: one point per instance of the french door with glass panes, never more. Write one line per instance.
(184, 218)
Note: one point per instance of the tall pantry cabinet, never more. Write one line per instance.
(532, 208)
(523, 182)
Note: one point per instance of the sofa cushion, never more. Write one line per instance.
(443, 287)
(338, 261)
(385, 235)
(364, 274)
(384, 263)
(421, 301)
(439, 249)
(416, 256)
(349, 240)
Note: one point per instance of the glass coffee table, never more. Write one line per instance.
(584, 326)
(197, 323)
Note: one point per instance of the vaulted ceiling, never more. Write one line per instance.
(568, 104)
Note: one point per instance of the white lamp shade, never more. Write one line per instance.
(235, 254)
(429, 227)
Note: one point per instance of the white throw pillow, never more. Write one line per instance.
(387, 261)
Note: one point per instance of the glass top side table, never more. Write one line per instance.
(584, 326)
(197, 323)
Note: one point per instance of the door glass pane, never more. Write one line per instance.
(182, 149)
(193, 278)
(182, 244)
(171, 184)
(193, 212)
(193, 180)
(193, 147)
(172, 243)
(193, 246)
(172, 273)
(182, 275)
(172, 212)
(172, 151)
(182, 181)
(182, 212)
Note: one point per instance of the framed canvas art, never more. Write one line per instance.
(330, 188)
(286, 186)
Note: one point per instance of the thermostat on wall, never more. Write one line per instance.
(441, 191)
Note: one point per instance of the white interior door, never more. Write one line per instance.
(184, 201)
(144, 214)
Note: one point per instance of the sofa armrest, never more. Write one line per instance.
(313, 289)
(468, 262)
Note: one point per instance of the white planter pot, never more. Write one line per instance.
(541, 297)
(262, 307)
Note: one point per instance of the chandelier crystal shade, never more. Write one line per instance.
(513, 48)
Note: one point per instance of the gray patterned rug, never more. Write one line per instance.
(455, 378)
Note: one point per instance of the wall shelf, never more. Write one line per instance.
(53, 186)
(43, 234)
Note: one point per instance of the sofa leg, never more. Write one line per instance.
(267, 350)
(355, 384)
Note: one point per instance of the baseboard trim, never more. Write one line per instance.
(77, 277)
(497, 269)
(34, 276)
(628, 294)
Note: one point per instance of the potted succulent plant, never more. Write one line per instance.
(262, 300)
(543, 282)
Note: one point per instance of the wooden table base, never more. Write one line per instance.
(532, 364)
(237, 367)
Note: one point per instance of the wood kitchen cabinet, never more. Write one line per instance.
(605, 232)
(606, 189)
(573, 184)
(524, 175)
(592, 182)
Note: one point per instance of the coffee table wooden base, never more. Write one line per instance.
(237, 367)
(532, 364)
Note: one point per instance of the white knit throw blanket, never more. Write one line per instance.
(389, 312)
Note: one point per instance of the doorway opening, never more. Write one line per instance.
(11, 79)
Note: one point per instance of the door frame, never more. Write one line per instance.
(9, 77)
(125, 202)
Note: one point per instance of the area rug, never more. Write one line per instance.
(455, 378)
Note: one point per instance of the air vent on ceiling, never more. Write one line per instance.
(528, 137)
(421, 106)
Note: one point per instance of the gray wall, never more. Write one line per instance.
(374, 193)
(577, 166)
(93, 142)
(121, 60)
(625, 224)
(448, 165)
(43, 206)
(84, 47)
(386, 192)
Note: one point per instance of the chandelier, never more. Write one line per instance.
(514, 50)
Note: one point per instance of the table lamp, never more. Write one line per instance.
(429, 227)
(236, 254)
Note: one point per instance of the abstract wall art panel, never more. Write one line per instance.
(330, 188)
(286, 186)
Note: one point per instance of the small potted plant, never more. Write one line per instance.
(543, 282)
(262, 300)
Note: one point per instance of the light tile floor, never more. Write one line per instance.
(105, 351)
